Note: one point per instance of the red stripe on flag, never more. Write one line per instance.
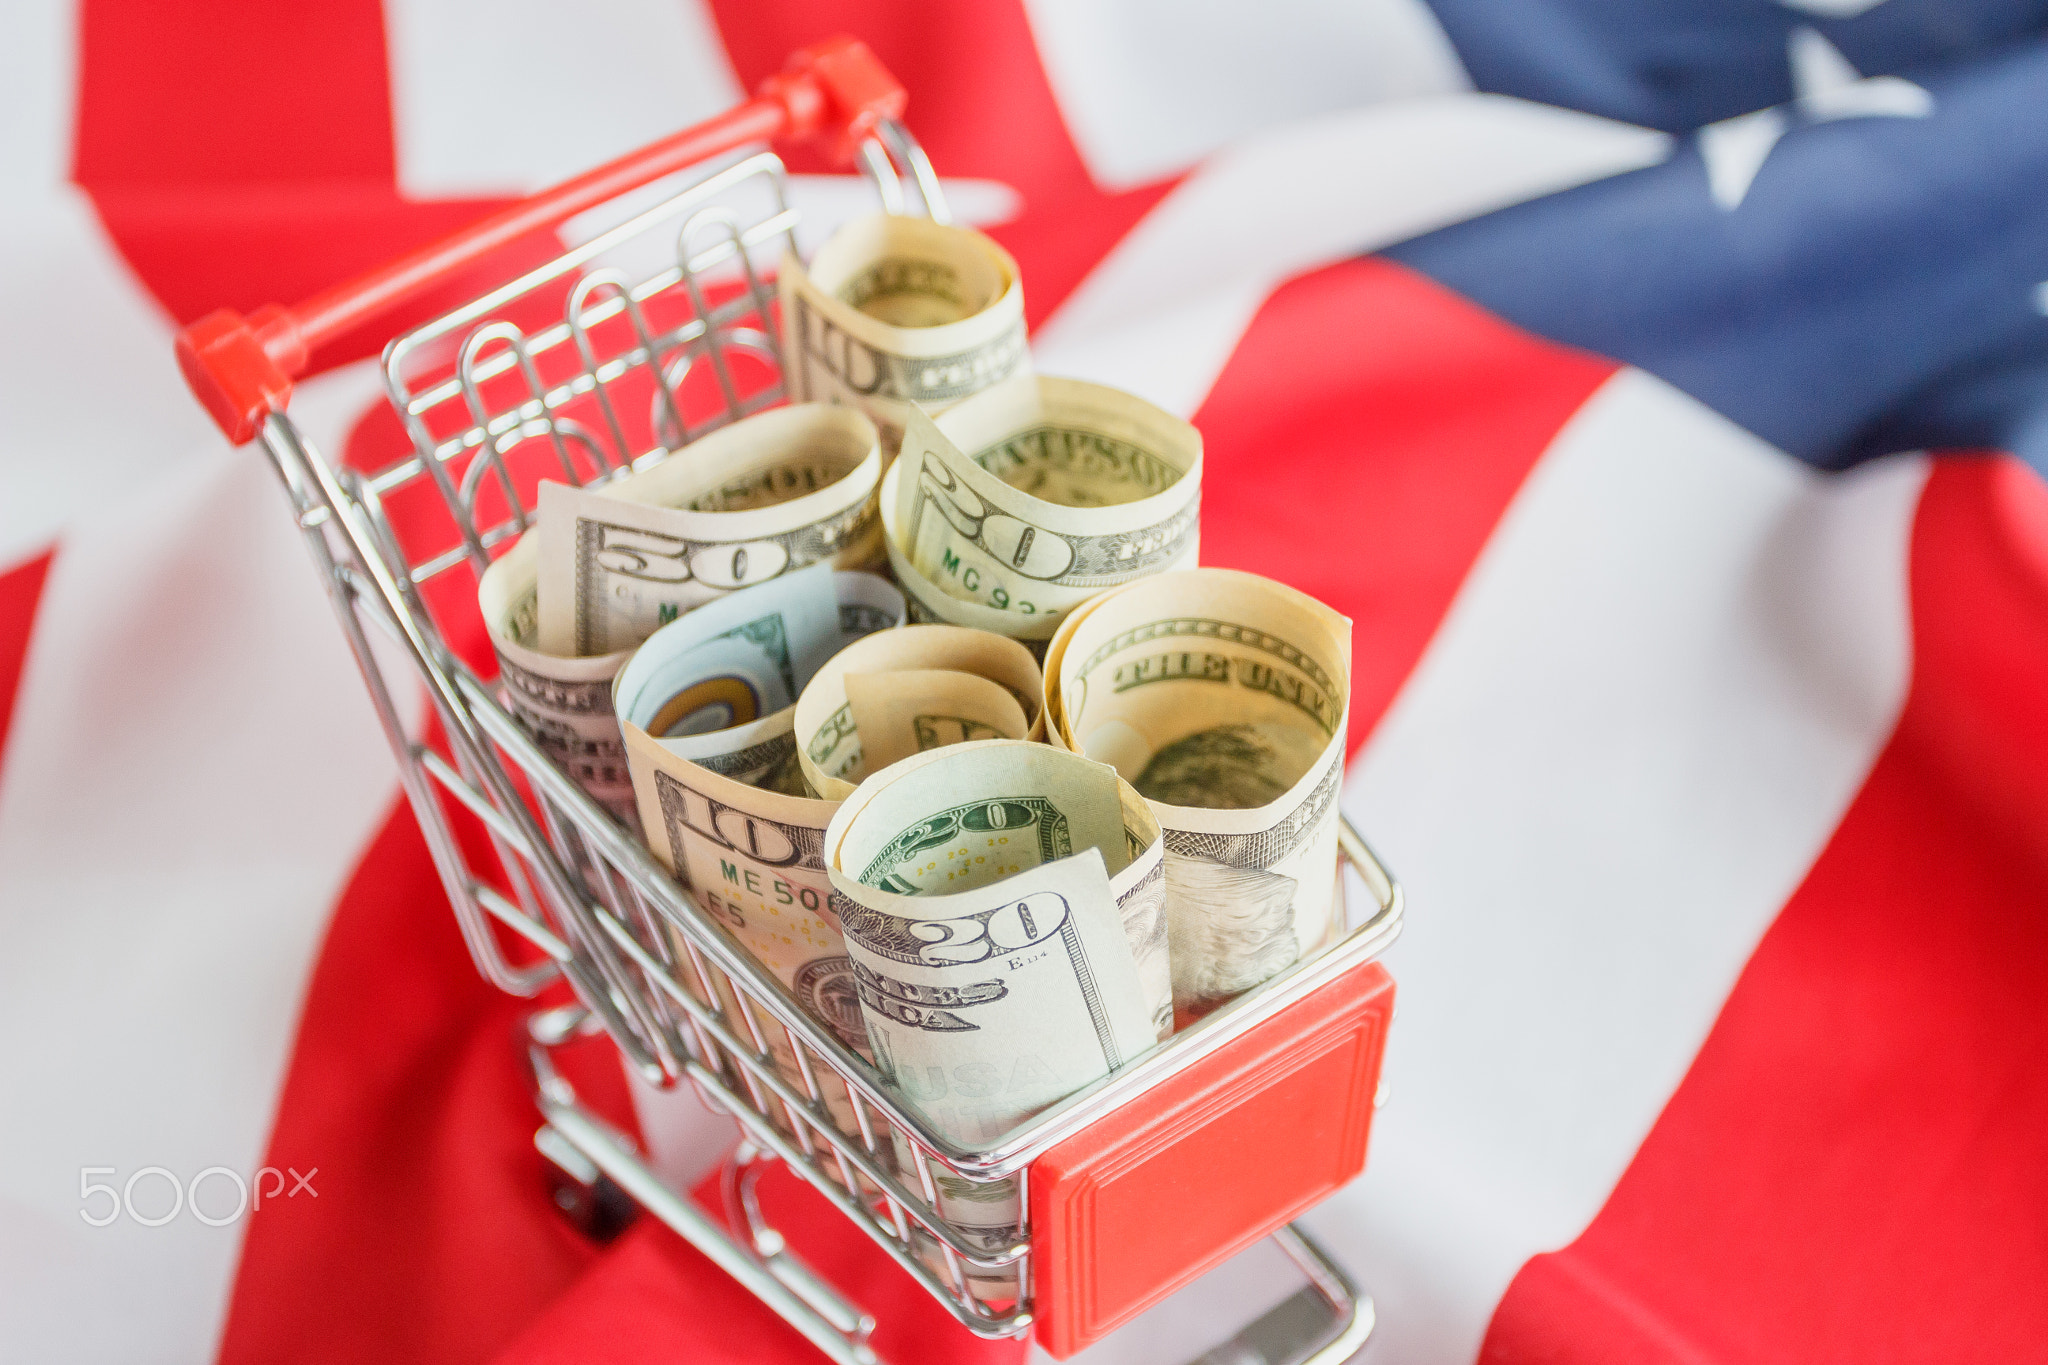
(241, 153)
(1344, 454)
(1856, 1165)
(232, 91)
(432, 1237)
(655, 1298)
(982, 107)
(21, 591)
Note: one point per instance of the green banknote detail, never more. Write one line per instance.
(896, 868)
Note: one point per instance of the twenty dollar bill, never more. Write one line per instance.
(978, 888)
(1012, 508)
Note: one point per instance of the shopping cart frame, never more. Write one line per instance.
(646, 964)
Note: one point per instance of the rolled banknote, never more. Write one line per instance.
(564, 703)
(906, 691)
(926, 687)
(1029, 498)
(769, 494)
(1222, 697)
(706, 706)
(949, 871)
(928, 605)
(894, 311)
(978, 889)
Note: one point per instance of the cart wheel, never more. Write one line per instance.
(592, 1201)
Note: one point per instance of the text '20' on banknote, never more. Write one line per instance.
(1008, 511)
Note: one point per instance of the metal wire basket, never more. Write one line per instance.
(608, 358)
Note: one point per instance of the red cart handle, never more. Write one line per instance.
(241, 369)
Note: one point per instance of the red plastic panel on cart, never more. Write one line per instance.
(1189, 1174)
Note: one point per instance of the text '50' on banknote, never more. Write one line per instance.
(894, 311)
(1033, 496)
(769, 494)
(1223, 698)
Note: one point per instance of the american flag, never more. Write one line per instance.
(1655, 385)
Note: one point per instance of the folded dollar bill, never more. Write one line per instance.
(1010, 509)
(906, 691)
(1223, 698)
(978, 887)
(928, 604)
(894, 311)
(979, 890)
(564, 703)
(769, 494)
(706, 706)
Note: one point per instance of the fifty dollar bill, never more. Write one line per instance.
(564, 703)
(772, 493)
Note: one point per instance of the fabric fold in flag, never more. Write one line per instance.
(1530, 337)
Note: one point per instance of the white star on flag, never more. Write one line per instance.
(1825, 88)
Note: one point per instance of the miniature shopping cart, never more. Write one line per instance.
(655, 327)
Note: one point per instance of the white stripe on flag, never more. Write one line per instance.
(38, 88)
(1639, 724)
(1660, 688)
(1149, 87)
(96, 401)
(1161, 314)
(497, 97)
(93, 399)
(494, 97)
(191, 775)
